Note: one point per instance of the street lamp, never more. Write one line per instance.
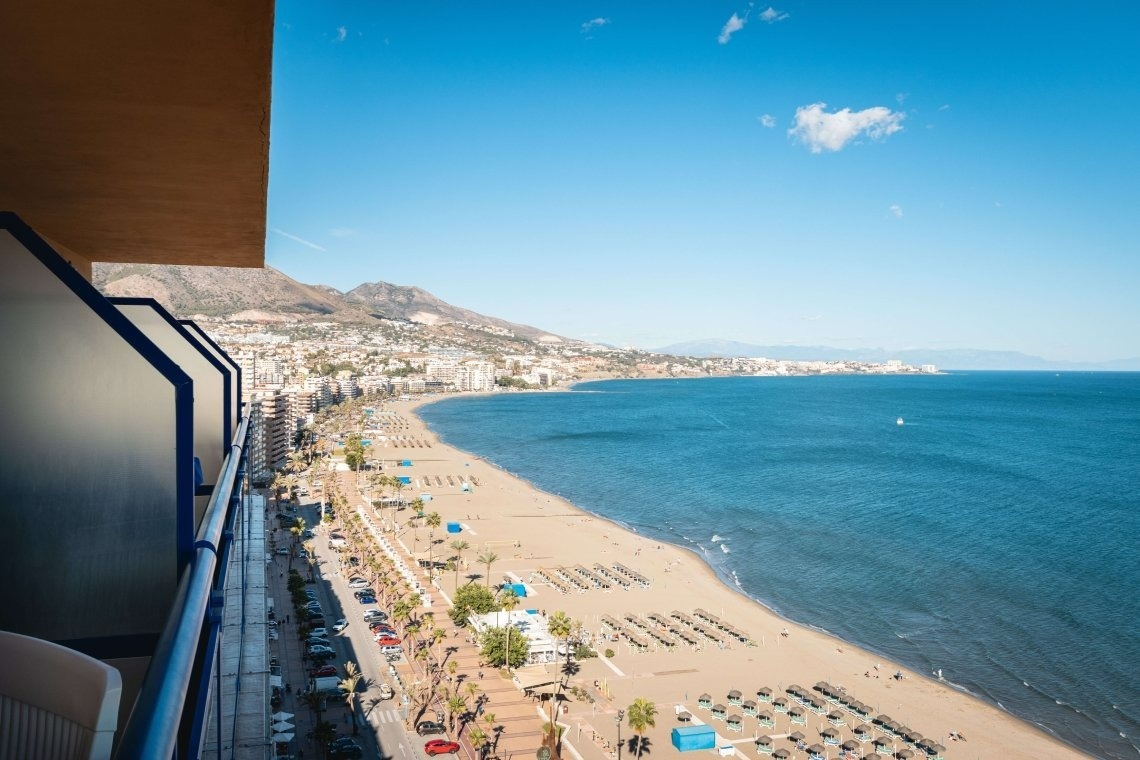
(620, 717)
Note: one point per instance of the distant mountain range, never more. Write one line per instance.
(268, 295)
(964, 358)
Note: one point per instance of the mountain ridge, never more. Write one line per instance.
(269, 295)
(964, 358)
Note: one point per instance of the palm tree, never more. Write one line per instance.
(296, 461)
(433, 521)
(437, 636)
(352, 678)
(508, 601)
(277, 484)
(488, 558)
(455, 704)
(401, 611)
(642, 716)
(479, 741)
(459, 547)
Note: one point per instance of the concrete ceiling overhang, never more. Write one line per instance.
(139, 132)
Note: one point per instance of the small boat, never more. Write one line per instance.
(899, 421)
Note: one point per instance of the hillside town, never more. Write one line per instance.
(292, 370)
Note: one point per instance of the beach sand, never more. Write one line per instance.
(531, 530)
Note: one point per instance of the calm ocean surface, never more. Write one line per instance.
(994, 535)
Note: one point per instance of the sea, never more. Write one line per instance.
(993, 535)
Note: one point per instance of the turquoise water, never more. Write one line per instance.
(994, 535)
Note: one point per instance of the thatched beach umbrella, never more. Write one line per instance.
(834, 716)
(795, 690)
(763, 741)
(849, 745)
(862, 732)
(734, 694)
(904, 753)
(780, 702)
(823, 687)
(684, 716)
(816, 749)
(881, 719)
(829, 733)
(782, 753)
(764, 692)
(913, 737)
(796, 736)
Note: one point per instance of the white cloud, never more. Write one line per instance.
(896, 210)
(772, 15)
(594, 23)
(341, 33)
(822, 131)
(944, 107)
(768, 120)
(731, 27)
(293, 237)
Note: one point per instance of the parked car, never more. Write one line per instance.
(322, 632)
(367, 600)
(441, 747)
(283, 550)
(375, 615)
(340, 625)
(345, 747)
(425, 727)
(385, 691)
(364, 592)
(382, 629)
(307, 533)
(317, 641)
(323, 671)
(385, 640)
(387, 649)
(358, 583)
(320, 649)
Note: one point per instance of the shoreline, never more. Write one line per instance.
(807, 653)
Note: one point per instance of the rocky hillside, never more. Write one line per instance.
(268, 295)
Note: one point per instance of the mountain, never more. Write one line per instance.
(418, 305)
(964, 358)
(267, 295)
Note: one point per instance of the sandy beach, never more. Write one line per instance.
(540, 539)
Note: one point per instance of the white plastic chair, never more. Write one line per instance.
(55, 703)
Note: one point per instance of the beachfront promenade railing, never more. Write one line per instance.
(169, 714)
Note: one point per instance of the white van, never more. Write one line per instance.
(391, 649)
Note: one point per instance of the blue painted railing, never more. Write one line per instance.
(172, 699)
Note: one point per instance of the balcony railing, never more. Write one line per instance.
(172, 701)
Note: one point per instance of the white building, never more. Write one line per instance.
(542, 646)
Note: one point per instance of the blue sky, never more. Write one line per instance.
(885, 174)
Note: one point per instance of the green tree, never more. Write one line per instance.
(433, 521)
(509, 601)
(350, 682)
(488, 558)
(504, 647)
(459, 547)
(471, 599)
(354, 451)
(455, 704)
(479, 741)
(642, 715)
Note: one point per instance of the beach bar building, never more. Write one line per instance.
(691, 738)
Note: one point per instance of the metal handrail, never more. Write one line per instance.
(152, 730)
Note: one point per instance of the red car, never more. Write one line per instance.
(441, 747)
(324, 670)
(387, 641)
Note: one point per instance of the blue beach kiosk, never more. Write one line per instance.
(690, 738)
